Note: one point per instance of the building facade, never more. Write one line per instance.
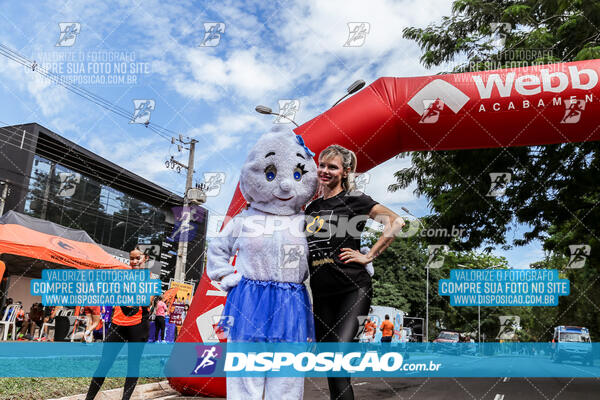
(52, 178)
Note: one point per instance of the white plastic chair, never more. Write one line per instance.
(50, 324)
(8, 319)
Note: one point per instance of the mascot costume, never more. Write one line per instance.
(267, 300)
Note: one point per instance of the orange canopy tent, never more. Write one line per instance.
(22, 235)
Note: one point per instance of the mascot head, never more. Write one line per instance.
(279, 175)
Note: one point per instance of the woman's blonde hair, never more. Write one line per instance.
(348, 162)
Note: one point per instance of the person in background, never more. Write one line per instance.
(184, 313)
(35, 317)
(160, 310)
(9, 302)
(93, 321)
(20, 318)
(49, 314)
(129, 324)
(387, 330)
(370, 329)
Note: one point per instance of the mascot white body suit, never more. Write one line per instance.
(266, 300)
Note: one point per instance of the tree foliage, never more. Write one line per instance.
(554, 190)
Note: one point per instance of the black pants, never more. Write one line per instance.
(336, 320)
(137, 334)
(159, 323)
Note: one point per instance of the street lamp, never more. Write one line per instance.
(268, 111)
(427, 305)
(355, 87)
(478, 305)
(406, 210)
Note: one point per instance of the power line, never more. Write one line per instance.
(97, 173)
(84, 93)
(163, 132)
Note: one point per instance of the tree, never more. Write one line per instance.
(554, 189)
(400, 281)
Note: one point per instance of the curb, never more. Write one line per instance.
(141, 392)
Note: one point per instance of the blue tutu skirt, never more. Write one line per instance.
(268, 311)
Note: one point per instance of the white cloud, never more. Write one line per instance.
(295, 45)
(273, 52)
(382, 176)
(27, 84)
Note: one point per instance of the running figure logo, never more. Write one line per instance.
(287, 111)
(185, 223)
(500, 181)
(360, 184)
(142, 111)
(433, 97)
(68, 33)
(357, 34)
(579, 254)
(499, 32)
(509, 325)
(212, 34)
(207, 359)
(573, 110)
(68, 184)
(436, 255)
(292, 254)
(433, 108)
(213, 182)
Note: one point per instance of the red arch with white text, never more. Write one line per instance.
(528, 106)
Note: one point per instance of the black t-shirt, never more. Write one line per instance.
(331, 225)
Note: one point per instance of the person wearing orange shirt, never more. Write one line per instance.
(387, 330)
(370, 329)
(93, 321)
(129, 324)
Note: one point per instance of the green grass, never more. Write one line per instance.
(51, 388)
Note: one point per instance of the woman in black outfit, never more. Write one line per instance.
(340, 284)
(128, 325)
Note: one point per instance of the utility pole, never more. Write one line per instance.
(3, 196)
(427, 306)
(183, 238)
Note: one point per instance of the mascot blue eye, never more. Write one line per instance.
(299, 171)
(270, 172)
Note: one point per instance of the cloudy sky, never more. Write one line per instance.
(149, 50)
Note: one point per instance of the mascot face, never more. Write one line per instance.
(279, 176)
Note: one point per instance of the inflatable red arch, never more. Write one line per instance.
(528, 106)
